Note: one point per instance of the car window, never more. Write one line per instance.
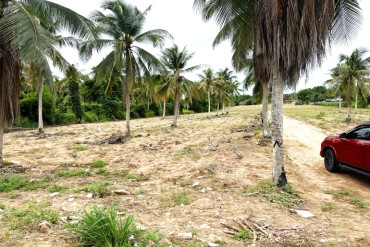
(362, 134)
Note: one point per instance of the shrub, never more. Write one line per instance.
(139, 109)
(185, 112)
(26, 123)
(149, 113)
(97, 164)
(90, 117)
(97, 189)
(103, 227)
(65, 118)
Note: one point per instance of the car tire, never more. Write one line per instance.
(330, 161)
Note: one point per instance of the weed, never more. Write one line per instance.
(286, 196)
(17, 182)
(359, 202)
(174, 199)
(101, 171)
(97, 189)
(2, 206)
(58, 188)
(103, 227)
(12, 196)
(98, 164)
(136, 177)
(6, 163)
(327, 206)
(30, 216)
(184, 182)
(80, 148)
(73, 173)
(243, 235)
(320, 116)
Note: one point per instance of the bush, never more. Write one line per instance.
(65, 118)
(185, 112)
(103, 227)
(90, 117)
(140, 110)
(26, 123)
(149, 113)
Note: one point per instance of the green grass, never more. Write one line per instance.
(349, 196)
(29, 217)
(73, 173)
(327, 206)
(101, 171)
(137, 177)
(103, 227)
(97, 189)
(2, 206)
(80, 148)
(58, 188)
(244, 235)
(97, 164)
(17, 182)
(286, 196)
(359, 202)
(174, 199)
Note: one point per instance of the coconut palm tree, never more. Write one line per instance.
(24, 39)
(175, 62)
(290, 37)
(121, 29)
(224, 78)
(207, 80)
(335, 83)
(353, 73)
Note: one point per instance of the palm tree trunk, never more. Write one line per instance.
(340, 105)
(177, 105)
(148, 104)
(356, 103)
(265, 109)
(349, 101)
(223, 107)
(41, 90)
(218, 107)
(1, 144)
(279, 176)
(128, 107)
(164, 109)
(209, 104)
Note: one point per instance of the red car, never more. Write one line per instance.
(350, 150)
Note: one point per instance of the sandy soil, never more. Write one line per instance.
(225, 162)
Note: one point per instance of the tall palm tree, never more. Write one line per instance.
(207, 80)
(225, 77)
(121, 29)
(336, 84)
(353, 73)
(175, 62)
(290, 37)
(24, 39)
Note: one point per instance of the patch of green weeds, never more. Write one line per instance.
(244, 235)
(174, 199)
(80, 148)
(286, 195)
(73, 173)
(320, 116)
(97, 189)
(327, 206)
(97, 164)
(12, 196)
(30, 217)
(359, 202)
(2, 206)
(101, 171)
(58, 188)
(189, 151)
(137, 177)
(17, 182)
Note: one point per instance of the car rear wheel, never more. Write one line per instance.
(331, 163)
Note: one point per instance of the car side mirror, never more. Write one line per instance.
(343, 135)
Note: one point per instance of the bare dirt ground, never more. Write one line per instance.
(225, 155)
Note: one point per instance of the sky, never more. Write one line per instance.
(188, 29)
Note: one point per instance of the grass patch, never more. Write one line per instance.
(189, 151)
(327, 206)
(17, 182)
(97, 164)
(30, 217)
(101, 171)
(286, 196)
(73, 173)
(244, 235)
(58, 188)
(137, 177)
(359, 202)
(97, 189)
(174, 199)
(2, 206)
(103, 227)
(80, 148)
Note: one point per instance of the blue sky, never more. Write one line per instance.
(179, 18)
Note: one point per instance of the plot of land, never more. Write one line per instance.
(183, 182)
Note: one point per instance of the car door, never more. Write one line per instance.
(366, 154)
(352, 147)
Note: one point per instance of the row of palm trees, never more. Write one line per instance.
(350, 79)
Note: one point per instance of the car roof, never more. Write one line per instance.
(364, 125)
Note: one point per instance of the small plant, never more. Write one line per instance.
(58, 188)
(286, 196)
(359, 202)
(174, 199)
(243, 235)
(101, 171)
(98, 164)
(320, 116)
(138, 178)
(17, 182)
(327, 206)
(31, 216)
(2, 206)
(103, 227)
(97, 189)
(73, 173)
(80, 148)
